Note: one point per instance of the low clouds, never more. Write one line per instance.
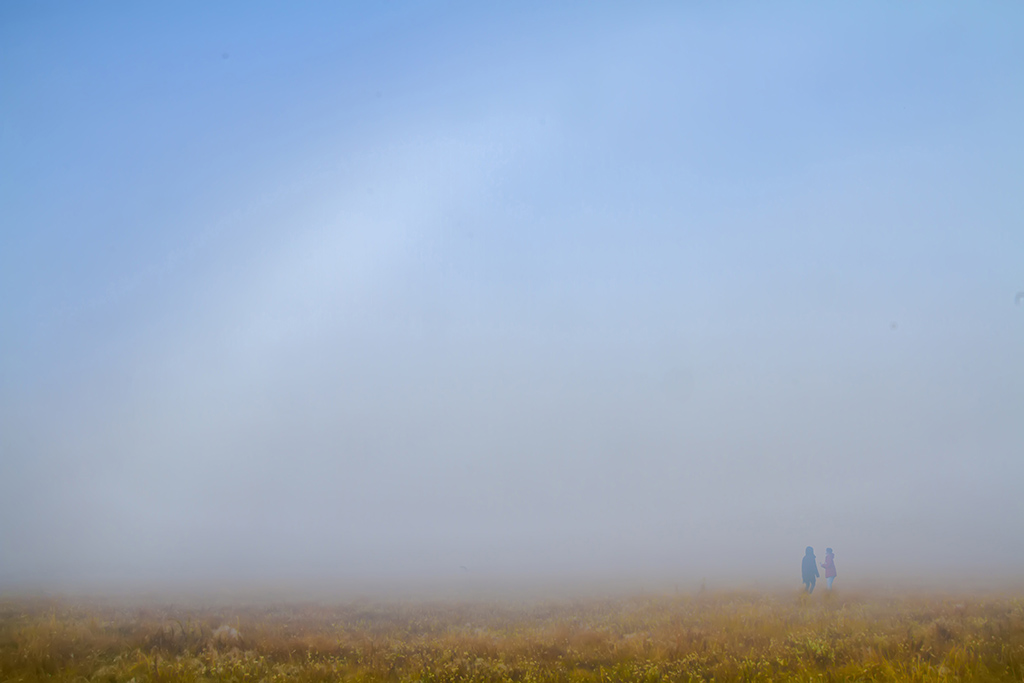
(604, 316)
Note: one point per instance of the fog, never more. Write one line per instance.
(447, 292)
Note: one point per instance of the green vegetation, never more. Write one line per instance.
(742, 637)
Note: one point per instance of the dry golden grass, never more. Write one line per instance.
(734, 636)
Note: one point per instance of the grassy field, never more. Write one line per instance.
(728, 636)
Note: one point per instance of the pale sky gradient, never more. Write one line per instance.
(330, 291)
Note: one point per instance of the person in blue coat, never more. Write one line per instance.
(809, 569)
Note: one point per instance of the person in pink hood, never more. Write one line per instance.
(829, 565)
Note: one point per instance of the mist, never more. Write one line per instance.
(437, 292)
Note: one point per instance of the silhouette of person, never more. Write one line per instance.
(829, 565)
(809, 569)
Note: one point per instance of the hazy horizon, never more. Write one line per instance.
(418, 292)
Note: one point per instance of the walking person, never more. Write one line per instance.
(809, 569)
(829, 565)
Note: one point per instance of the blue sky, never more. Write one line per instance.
(536, 288)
